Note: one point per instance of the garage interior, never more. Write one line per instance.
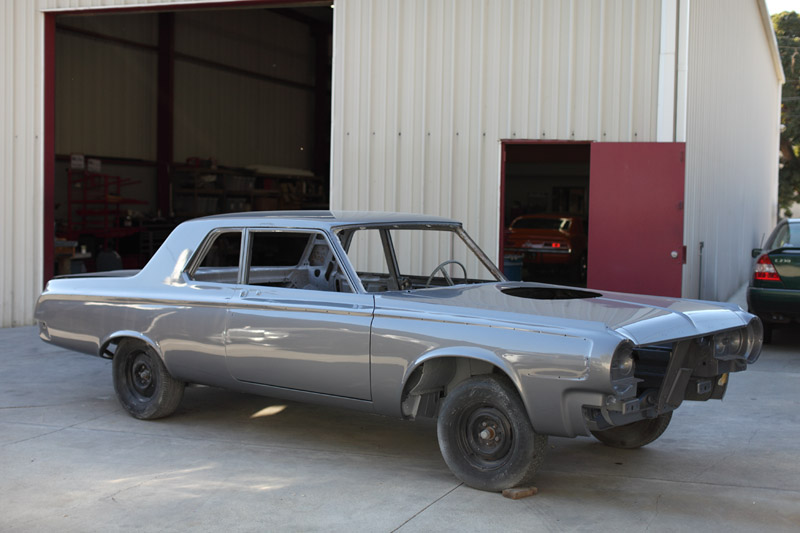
(544, 178)
(165, 116)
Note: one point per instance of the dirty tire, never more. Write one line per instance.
(635, 435)
(486, 437)
(143, 385)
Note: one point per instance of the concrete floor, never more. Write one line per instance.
(72, 460)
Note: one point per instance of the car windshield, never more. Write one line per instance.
(387, 258)
(787, 236)
(542, 223)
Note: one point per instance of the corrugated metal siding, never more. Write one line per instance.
(424, 91)
(20, 161)
(732, 144)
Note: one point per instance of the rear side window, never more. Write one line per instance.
(276, 249)
(788, 235)
(220, 263)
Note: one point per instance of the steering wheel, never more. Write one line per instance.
(445, 274)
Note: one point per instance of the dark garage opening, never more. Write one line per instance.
(165, 116)
(545, 219)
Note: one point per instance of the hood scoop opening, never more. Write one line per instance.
(549, 293)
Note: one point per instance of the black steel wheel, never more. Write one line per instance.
(635, 435)
(143, 385)
(486, 437)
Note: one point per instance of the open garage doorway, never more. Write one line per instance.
(545, 217)
(617, 206)
(165, 115)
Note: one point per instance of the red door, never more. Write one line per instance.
(636, 193)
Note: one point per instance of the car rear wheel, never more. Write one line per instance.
(486, 437)
(143, 385)
(635, 435)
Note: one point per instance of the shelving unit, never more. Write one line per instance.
(202, 190)
(95, 206)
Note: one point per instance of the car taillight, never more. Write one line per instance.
(765, 270)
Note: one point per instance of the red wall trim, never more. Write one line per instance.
(177, 7)
(49, 165)
(502, 248)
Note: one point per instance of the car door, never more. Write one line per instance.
(190, 325)
(296, 323)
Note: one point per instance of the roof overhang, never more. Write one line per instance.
(772, 41)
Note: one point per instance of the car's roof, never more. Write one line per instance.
(326, 219)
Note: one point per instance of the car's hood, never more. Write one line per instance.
(643, 319)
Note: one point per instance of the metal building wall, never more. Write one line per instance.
(425, 90)
(21, 160)
(732, 143)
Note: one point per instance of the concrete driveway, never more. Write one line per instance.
(72, 460)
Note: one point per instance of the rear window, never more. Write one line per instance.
(787, 235)
(542, 223)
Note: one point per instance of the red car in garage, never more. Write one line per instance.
(552, 240)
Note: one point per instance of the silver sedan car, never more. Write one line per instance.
(400, 315)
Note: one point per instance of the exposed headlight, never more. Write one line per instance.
(755, 333)
(622, 363)
(728, 343)
(742, 343)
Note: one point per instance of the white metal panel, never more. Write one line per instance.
(20, 161)
(425, 90)
(732, 144)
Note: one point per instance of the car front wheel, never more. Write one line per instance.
(143, 385)
(486, 437)
(635, 435)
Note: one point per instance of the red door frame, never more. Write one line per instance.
(49, 75)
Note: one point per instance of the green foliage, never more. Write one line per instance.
(787, 30)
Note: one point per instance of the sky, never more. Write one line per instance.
(778, 6)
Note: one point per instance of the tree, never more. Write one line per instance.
(787, 30)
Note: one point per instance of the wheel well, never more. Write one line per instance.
(434, 379)
(110, 346)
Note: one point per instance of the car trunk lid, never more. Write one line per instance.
(786, 261)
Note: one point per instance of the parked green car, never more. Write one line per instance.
(774, 291)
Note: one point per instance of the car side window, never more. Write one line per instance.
(781, 238)
(296, 260)
(220, 262)
(787, 235)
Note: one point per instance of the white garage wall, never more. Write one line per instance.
(424, 92)
(732, 143)
(21, 161)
